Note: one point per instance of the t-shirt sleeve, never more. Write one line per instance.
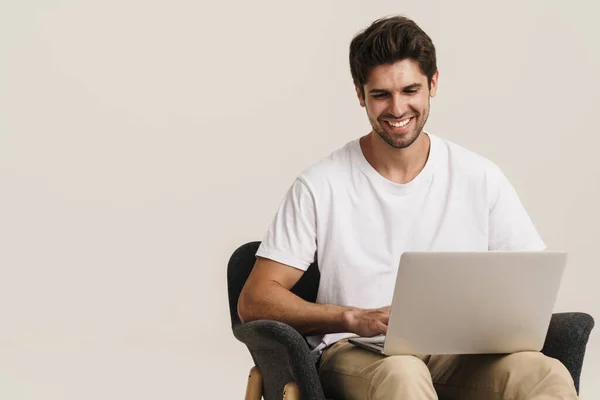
(510, 227)
(291, 237)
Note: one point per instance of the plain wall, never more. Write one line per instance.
(141, 142)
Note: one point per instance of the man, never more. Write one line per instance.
(396, 189)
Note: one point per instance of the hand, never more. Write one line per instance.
(367, 323)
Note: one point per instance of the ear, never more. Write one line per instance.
(361, 99)
(434, 83)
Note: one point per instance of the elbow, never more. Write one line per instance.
(244, 309)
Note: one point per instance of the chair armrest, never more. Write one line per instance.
(566, 340)
(282, 355)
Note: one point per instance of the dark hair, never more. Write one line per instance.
(386, 41)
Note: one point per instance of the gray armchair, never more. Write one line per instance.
(282, 356)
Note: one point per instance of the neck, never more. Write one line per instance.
(396, 165)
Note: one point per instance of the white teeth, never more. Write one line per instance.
(399, 124)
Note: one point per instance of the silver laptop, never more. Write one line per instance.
(470, 303)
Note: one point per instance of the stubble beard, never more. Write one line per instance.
(413, 136)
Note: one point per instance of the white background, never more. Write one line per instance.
(141, 142)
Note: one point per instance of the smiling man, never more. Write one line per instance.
(396, 189)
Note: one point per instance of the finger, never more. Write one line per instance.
(382, 328)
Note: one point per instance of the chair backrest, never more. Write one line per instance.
(240, 265)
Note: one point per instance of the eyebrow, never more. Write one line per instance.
(412, 86)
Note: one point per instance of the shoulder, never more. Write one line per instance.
(463, 161)
(329, 170)
(476, 171)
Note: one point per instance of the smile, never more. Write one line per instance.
(399, 124)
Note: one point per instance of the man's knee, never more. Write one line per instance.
(536, 363)
(532, 373)
(402, 374)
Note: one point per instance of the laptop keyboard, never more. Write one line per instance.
(376, 340)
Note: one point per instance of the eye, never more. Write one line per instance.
(411, 91)
(379, 96)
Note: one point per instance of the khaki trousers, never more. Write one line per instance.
(348, 372)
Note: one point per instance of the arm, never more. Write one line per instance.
(267, 295)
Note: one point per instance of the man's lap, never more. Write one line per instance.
(490, 375)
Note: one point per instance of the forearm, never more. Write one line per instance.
(273, 302)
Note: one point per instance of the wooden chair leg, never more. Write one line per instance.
(291, 391)
(254, 389)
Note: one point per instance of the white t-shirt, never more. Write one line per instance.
(342, 213)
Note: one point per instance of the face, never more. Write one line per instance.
(397, 101)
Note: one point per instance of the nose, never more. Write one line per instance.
(398, 105)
